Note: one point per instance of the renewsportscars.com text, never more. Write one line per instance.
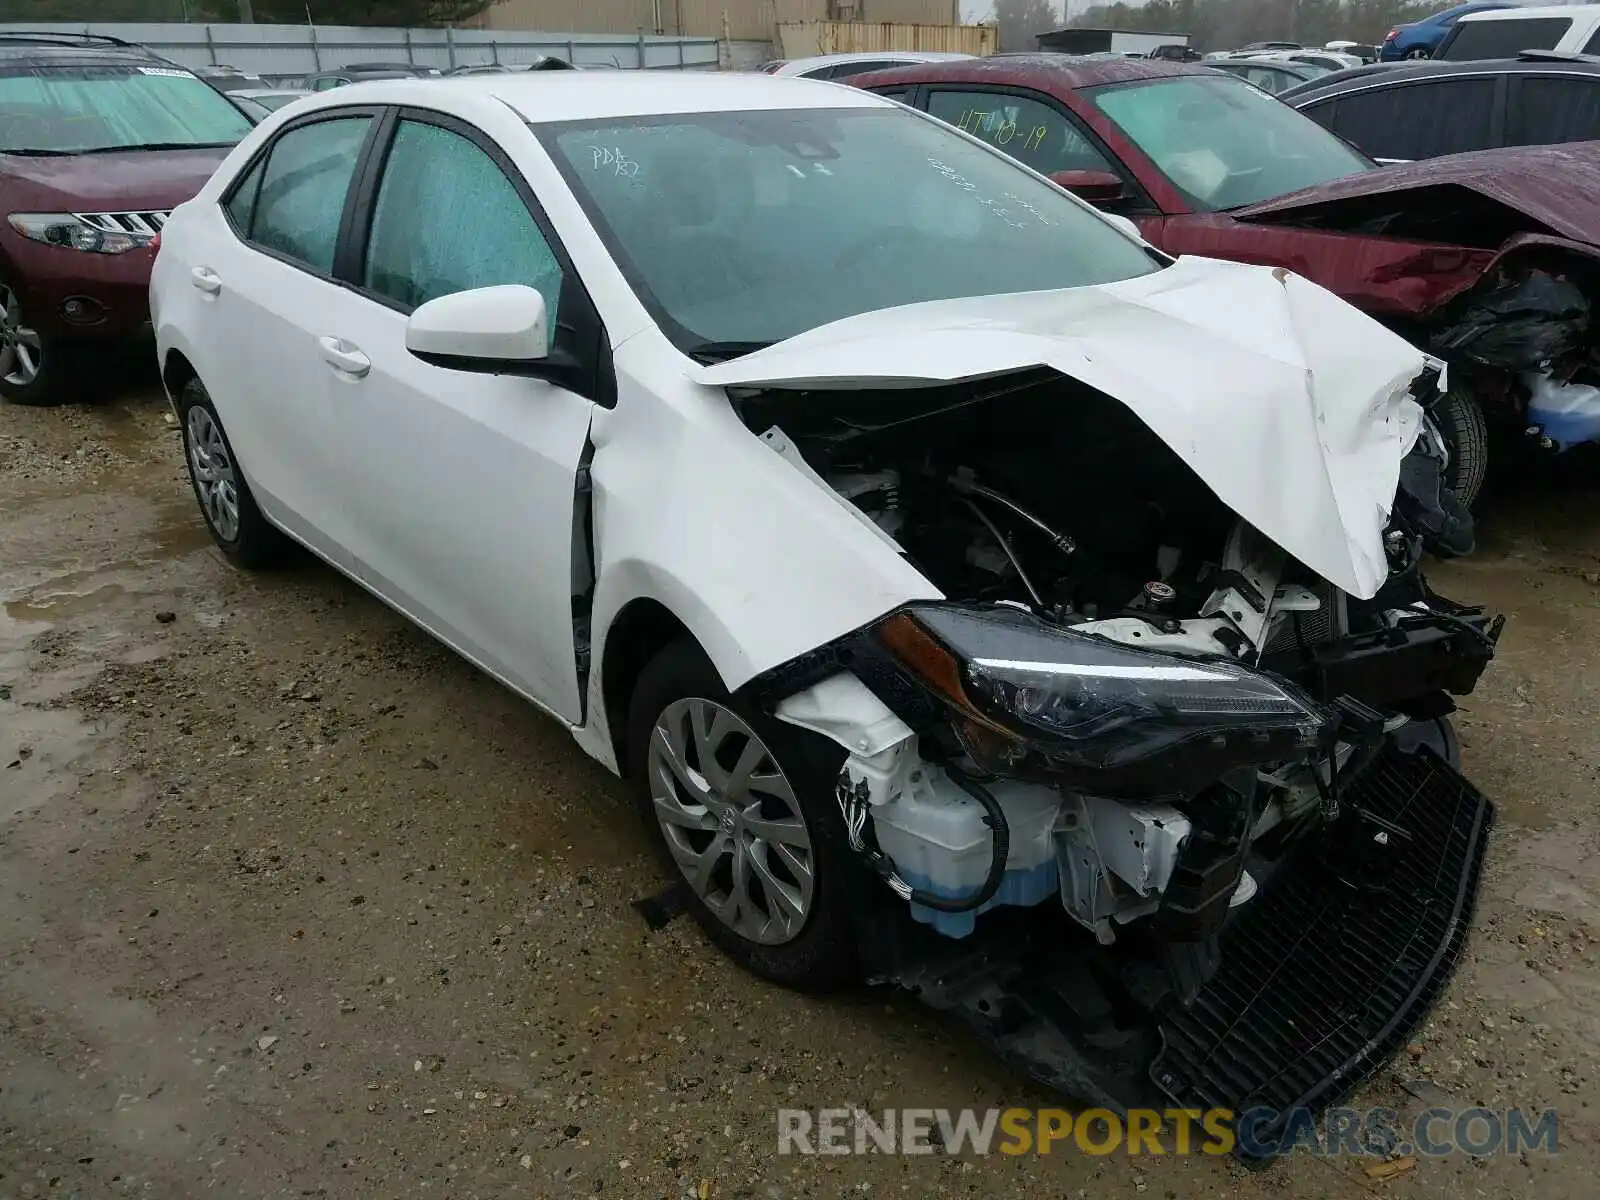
(1256, 1133)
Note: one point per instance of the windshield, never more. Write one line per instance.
(1223, 143)
(71, 111)
(739, 229)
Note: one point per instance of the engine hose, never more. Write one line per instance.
(995, 818)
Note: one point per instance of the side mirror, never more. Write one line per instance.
(1097, 187)
(499, 330)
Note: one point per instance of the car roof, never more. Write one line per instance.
(1395, 73)
(541, 97)
(1548, 10)
(910, 56)
(1058, 72)
(46, 50)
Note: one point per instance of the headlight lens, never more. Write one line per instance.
(1028, 695)
(70, 232)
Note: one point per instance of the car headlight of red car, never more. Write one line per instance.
(74, 233)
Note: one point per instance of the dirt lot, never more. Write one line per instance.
(294, 903)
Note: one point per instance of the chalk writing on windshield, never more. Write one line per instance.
(966, 185)
(613, 157)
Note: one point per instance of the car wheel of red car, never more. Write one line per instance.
(1461, 423)
(35, 368)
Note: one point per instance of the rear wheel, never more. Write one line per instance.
(743, 807)
(1461, 422)
(36, 368)
(1419, 52)
(230, 511)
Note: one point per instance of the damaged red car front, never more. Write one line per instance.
(1489, 260)
(1500, 274)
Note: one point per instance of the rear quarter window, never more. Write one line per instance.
(1553, 109)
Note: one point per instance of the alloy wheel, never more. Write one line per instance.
(20, 353)
(731, 820)
(214, 478)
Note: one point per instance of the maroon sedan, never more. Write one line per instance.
(1488, 260)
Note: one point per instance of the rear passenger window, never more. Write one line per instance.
(1030, 131)
(1593, 46)
(1551, 110)
(1504, 39)
(1419, 120)
(303, 189)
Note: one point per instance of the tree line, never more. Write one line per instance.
(1222, 24)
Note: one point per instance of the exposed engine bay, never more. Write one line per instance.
(1132, 703)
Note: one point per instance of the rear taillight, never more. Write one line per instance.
(1391, 35)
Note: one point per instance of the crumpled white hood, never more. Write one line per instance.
(1288, 402)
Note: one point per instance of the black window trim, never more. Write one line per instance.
(579, 330)
(1138, 201)
(374, 113)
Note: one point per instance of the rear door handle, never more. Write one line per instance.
(342, 356)
(207, 280)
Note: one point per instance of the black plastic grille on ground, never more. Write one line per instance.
(1321, 983)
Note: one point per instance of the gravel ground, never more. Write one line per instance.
(295, 903)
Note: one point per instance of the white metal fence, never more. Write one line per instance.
(283, 50)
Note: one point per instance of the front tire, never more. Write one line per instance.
(230, 511)
(1461, 422)
(742, 805)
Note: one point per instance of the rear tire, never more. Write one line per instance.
(1465, 430)
(782, 927)
(230, 511)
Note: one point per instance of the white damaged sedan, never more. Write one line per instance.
(977, 599)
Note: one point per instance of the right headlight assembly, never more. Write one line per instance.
(1028, 697)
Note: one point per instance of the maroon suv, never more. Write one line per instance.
(99, 140)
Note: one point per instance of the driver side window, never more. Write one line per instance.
(1030, 131)
(448, 220)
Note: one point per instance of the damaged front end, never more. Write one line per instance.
(1526, 335)
(1165, 816)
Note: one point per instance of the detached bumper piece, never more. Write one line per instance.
(1328, 973)
(1424, 653)
(1322, 976)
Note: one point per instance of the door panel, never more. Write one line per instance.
(268, 381)
(457, 487)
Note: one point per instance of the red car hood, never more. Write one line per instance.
(129, 181)
(1552, 186)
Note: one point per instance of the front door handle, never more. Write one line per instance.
(342, 356)
(207, 280)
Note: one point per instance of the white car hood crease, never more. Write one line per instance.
(1292, 405)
